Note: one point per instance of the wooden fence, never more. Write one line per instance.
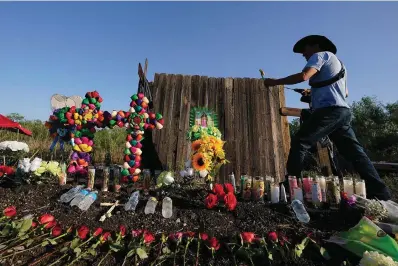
(257, 137)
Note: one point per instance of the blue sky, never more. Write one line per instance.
(74, 47)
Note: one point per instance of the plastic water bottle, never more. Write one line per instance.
(79, 197)
(167, 207)
(69, 195)
(299, 210)
(85, 204)
(151, 205)
(132, 202)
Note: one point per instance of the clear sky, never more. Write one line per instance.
(71, 47)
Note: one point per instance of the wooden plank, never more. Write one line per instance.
(288, 111)
(167, 114)
(274, 133)
(236, 127)
(183, 123)
(160, 106)
(285, 127)
(324, 160)
(204, 92)
(251, 143)
(268, 160)
(219, 94)
(256, 126)
(229, 130)
(279, 130)
(195, 96)
(175, 111)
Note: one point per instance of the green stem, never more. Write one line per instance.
(197, 252)
(49, 254)
(21, 251)
(175, 254)
(58, 260)
(186, 249)
(21, 244)
(84, 253)
(106, 255)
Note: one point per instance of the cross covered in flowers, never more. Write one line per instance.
(78, 126)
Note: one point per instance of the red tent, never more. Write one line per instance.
(6, 123)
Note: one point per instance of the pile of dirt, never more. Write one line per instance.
(189, 214)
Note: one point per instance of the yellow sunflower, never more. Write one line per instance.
(196, 145)
(200, 162)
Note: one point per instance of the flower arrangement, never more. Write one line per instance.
(208, 155)
(222, 194)
(14, 146)
(6, 171)
(197, 132)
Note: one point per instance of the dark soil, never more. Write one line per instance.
(189, 214)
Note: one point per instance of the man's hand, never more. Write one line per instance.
(270, 82)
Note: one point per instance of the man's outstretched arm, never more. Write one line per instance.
(305, 75)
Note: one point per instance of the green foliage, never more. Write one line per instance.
(105, 140)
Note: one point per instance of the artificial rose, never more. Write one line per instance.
(83, 232)
(213, 243)
(148, 237)
(248, 237)
(50, 225)
(97, 231)
(219, 191)
(211, 201)
(273, 236)
(46, 218)
(122, 230)
(230, 201)
(10, 211)
(56, 231)
(105, 237)
(229, 188)
(203, 236)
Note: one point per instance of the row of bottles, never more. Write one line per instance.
(80, 197)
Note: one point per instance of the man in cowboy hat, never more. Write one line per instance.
(331, 114)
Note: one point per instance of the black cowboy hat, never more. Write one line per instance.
(323, 42)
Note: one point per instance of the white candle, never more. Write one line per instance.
(360, 188)
(322, 184)
(298, 194)
(275, 194)
(348, 185)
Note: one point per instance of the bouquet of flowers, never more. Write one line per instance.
(208, 155)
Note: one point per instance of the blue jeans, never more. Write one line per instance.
(335, 122)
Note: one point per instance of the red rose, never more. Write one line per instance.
(122, 230)
(10, 211)
(272, 236)
(248, 237)
(105, 237)
(189, 234)
(282, 239)
(136, 233)
(97, 231)
(83, 232)
(211, 201)
(218, 189)
(229, 188)
(230, 201)
(203, 236)
(34, 224)
(213, 243)
(50, 224)
(56, 231)
(46, 218)
(148, 237)
(176, 236)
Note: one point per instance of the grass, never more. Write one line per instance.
(112, 140)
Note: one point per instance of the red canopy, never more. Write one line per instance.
(6, 123)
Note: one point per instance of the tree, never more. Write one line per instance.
(16, 117)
